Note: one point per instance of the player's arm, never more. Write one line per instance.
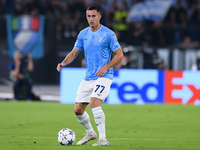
(116, 59)
(68, 59)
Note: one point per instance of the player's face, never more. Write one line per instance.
(93, 18)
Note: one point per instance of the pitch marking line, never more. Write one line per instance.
(124, 139)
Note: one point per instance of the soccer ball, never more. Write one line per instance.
(66, 136)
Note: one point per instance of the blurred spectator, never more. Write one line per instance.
(194, 21)
(179, 15)
(66, 26)
(30, 5)
(137, 33)
(151, 58)
(120, 21)
(105, 4)
(189, 43)
(160, 65)
(157, 38)
(68, 19)
(194, 18)
(2, 6)
(82, 22)
(9, 6)
(2, 21)
(110, 14)
(177, 20)
(44, 7)
(20, 70)
(128, 2)
(19, 7)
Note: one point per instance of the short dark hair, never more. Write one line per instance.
(94, 7)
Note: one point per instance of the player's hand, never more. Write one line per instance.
(101, 72)
(60, 66)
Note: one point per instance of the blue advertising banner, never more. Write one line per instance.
(129, 86)
(70, 79)
(136, 86)
(139, 86)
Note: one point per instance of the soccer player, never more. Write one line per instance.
(98, 43)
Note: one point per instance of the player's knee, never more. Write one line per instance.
(78, 111)
(92, 104)
(95, 102)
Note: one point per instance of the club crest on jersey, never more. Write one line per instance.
(100, 38)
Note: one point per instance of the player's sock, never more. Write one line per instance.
(84, 119)
(99, 117)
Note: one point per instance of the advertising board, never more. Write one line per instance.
(139, 86)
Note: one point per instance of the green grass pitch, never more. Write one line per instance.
(34, 126)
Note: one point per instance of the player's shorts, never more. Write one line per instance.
(98, 88)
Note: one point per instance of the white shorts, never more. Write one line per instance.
(98, 88)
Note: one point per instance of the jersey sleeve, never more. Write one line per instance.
(114, 44)
(79, 42)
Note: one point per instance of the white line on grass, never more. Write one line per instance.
(115, 139)
(23, 137)
(2, 137)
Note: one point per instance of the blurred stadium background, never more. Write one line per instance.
(154, 34)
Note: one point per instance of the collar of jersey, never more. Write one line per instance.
(97, 30)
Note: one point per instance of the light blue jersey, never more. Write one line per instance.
(98, 47)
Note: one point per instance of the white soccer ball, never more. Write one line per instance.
(66, 136)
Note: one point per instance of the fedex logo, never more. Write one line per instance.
(182, 87)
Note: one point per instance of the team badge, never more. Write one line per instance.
(100, 38)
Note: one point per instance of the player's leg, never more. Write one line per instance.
(82, 100)
(99, 118)
(100, 92)
(83, 117)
